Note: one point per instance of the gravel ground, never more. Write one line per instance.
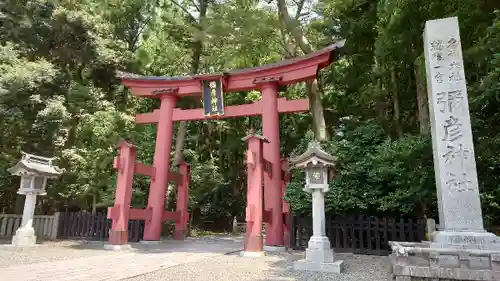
(50, 251)
(270, 268)
(219, 268)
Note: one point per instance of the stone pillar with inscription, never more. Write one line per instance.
(460, 217)
(461, 249)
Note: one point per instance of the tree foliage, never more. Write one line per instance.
(59, 96)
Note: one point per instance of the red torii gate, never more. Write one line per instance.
(121, 212)
(266, 79)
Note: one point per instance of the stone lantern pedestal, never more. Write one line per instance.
(25, 234)
(34, 172)
(319, 254)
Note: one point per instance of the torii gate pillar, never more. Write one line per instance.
(161, 163)
(272, 179)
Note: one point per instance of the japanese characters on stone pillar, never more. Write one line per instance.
(454, 163)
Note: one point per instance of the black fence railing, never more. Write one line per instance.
(94, 226)
(360, 234)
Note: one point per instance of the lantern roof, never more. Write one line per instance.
(314, 155)
(252, 135)
(35, 165)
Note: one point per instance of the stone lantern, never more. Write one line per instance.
(318, 166)
(34, 172)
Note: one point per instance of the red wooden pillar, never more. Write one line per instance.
(285, 179)
(253, 238)
(272, 181)
(119, 213)
(161, 163)
(180, 232)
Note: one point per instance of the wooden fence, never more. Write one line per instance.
(79, 225)
(241, 227)
(94, 227)
(360, 235)
(45, 226)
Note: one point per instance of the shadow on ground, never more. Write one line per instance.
(357, 268)
(216, 244)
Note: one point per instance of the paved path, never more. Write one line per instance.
(140, 260)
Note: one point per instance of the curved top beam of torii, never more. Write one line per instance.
(283, 73)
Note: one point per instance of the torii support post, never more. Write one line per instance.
(180, 216)
(253, 238)
(180, 232)
(272, 177)
(285, 179)
(125, 164)
(161, 162)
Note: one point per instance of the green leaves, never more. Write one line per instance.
(20, 76)
(59, 95)
(379, 170)
(374, 174)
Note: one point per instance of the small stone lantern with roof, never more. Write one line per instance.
(34, 172)
(318, 165)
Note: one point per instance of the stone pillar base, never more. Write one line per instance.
(150, 242)
(319, 242)
(304, 265)
(118, 237)
(253, 244)
(117, 247)
(24, 237)
(319, 257)
(436, 264)
(319, 250)
(274, 249)
(465, 240)
(246, 254)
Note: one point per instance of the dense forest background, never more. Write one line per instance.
(59, 96)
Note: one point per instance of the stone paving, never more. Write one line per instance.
(124, 264)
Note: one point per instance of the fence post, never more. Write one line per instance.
(430, 228)
(235, 225)
(55, 225)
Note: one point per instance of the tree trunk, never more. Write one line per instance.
(314, 92)
(315, 101)
(39, 206)
(19, 204)
(395, 101)
(94, 203)
(195, 66)
(423, 106)
(381, 105)
(423, 209)
(293, 27)
(179, 143)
